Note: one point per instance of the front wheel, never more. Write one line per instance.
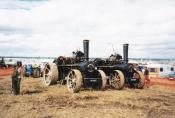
(103, 79)
(74, 81)
(50, 74)
(141, 79)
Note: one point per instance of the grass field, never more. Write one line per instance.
(39, 101)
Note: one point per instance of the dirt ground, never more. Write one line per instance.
(163, 82)
(39, 101)
(5, 72)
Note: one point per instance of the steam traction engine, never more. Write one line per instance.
(120, 72)
(76, 71)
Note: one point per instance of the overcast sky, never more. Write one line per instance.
(58, 27)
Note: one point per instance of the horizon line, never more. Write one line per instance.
(50, 57)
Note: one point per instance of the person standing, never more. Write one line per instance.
(16, 78)
(146, 74)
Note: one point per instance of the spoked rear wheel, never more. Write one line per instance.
(74, 81)
(117, 79)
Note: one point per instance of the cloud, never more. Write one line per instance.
(57, 27)
(12, 30)
(20, 4)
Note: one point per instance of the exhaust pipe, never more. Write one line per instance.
(86, 49)
(125, 52)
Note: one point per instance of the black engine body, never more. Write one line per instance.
(115, 62)
(79, 61)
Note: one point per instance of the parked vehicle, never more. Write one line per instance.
(160, 70)
(119, 71)
(76, 71)
(171, 76)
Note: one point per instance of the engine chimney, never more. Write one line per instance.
(86, 49)
(125, 52)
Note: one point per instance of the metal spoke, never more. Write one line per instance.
(117, 78)
(47, 69)
(47, 74)
(71, 75)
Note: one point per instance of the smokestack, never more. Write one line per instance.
(125, 52)
(86, 49)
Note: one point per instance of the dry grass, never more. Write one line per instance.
(39, 101)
